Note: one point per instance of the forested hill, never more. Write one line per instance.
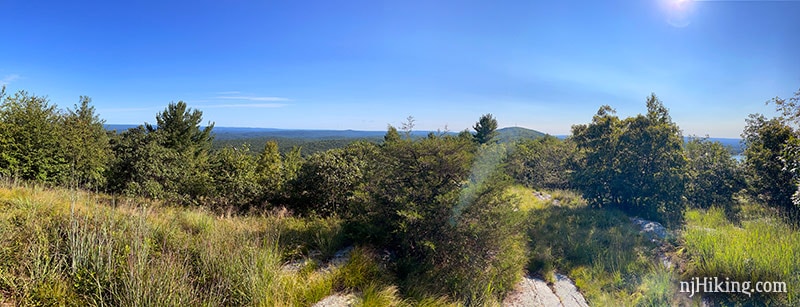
(312, 141)
(510, 134)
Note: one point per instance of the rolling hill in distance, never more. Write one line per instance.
(315, 140)
(237, 133)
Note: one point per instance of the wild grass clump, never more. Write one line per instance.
(761, 248)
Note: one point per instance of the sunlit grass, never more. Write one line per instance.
(65, 247)
(600, 249)
(762, 248)
(528, 199)
(62, 247)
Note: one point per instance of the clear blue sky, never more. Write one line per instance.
(544, 65)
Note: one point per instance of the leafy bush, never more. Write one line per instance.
(445, 215)
(327, 182)
(233, 171)
(636, 164)
(713, 175)
(543, 163)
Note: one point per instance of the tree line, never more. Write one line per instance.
(638, 164)
(437, 203)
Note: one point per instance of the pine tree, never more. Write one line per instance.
(485, 129)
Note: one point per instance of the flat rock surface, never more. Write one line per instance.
(531, 292)
(337, 300)
(566, 291)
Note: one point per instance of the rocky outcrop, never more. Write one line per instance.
(337, 300)
(652, 229)
(567, 292)
(533, 291)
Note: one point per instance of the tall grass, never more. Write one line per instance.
(761, 248)
(66, 247)
(611, 263)
(63, 247)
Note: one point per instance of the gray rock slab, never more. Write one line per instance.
(531, 292)
(567, 292)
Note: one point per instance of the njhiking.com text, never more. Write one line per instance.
(718, 285)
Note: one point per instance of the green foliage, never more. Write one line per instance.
(442, 211)
(269, 169)
(167, 161)
(292, 162)
(30, 139)
(306, 146)
(543, 163)
(485, 129)
(391, 135)
(86, 145)
(142, 166)
(713, 175)
(767, 173)
(636, 164)
(327, 181)
(235, 179)
(180, 126)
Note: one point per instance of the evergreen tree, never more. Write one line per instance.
(180, 126)
(169, 160)
(391, 135)
(485, 129)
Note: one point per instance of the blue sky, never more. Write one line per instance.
(544, 65)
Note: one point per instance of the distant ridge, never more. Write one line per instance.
(511, 134)
(235, 133)
(507, 134)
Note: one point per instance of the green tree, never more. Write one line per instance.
(391, 135)
(30, 139)
(768, 173)
(713, 175)
(485, 129)
(86, 145)
(235, 180)
(444, 213)
(327, 182)
(543, 163)
(167, 161)
(141, 166)
(292, 161)
(269, 169)
(180, 126)
(636, 164)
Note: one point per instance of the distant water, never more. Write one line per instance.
(739, 157)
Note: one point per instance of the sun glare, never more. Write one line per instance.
(677, 12)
